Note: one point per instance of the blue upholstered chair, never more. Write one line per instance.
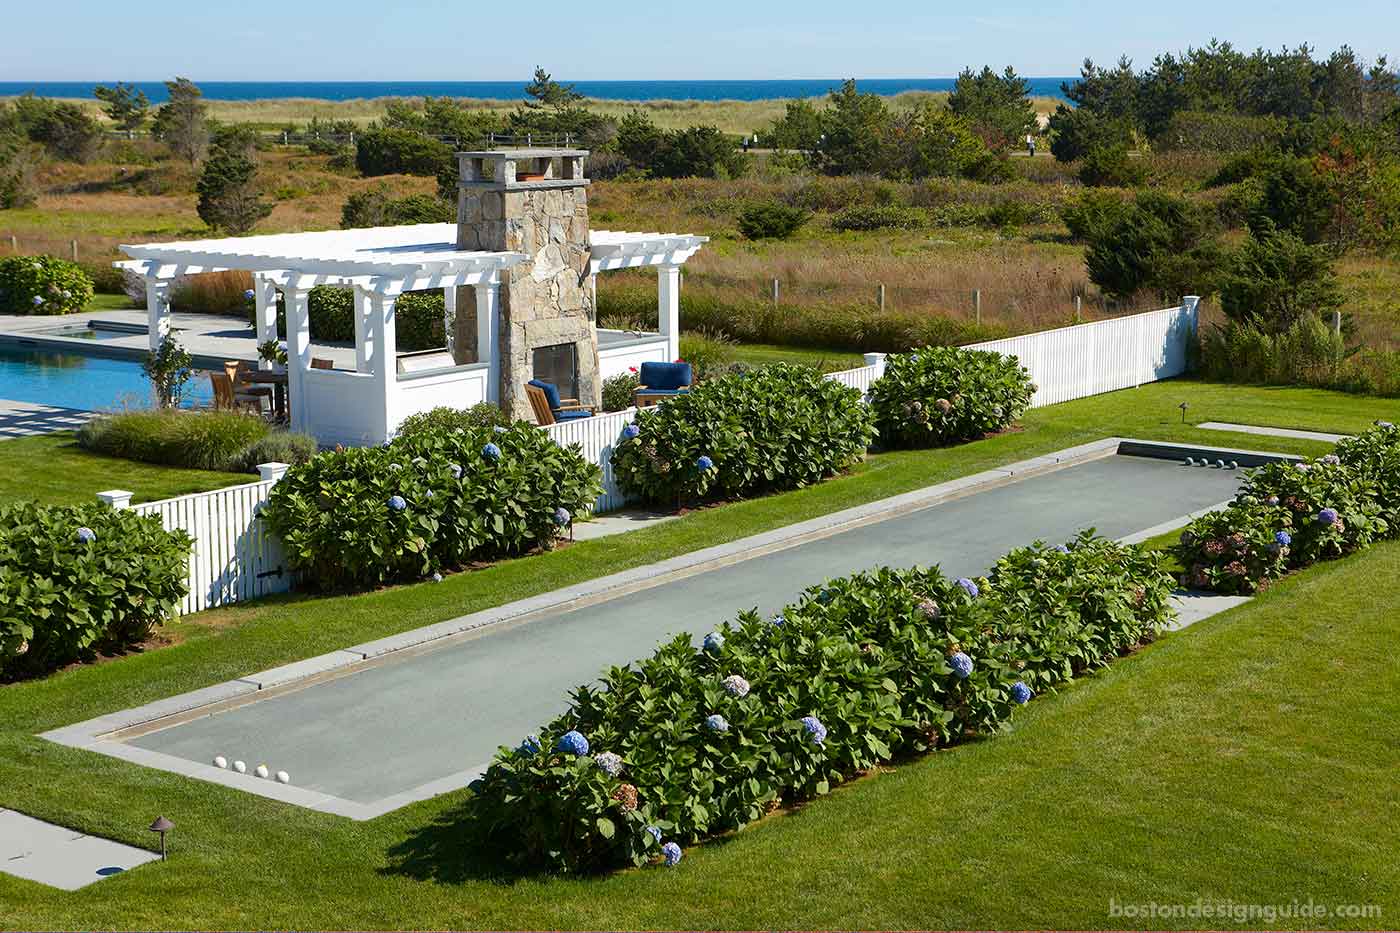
(549, 408)
(660, 381)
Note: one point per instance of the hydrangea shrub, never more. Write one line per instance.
(1345, 497)
(75, 579)
(1238, 550)
(942, 395)
(436, 499)
(42, 285)
(857, 674)
(770, 429)
(1374, 456)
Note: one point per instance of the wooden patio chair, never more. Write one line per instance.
(237, 370)
(226, 398)
(546, 403)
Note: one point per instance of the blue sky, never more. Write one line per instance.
(472, 40)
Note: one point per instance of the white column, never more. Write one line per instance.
(264, 313)
(488, 334)
(364, 339)
(157, 311)
(668, 308)
(298, 355)
(449, 318)
(385, 367)
(1191, 304)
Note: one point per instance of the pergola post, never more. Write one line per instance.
(264, 314)
(298, 352)
(385, 362)
(488, 337)
(157, 311)
(364, 339)
(449, 318)
(668, 308)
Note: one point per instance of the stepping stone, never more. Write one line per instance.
(61, 857)
(1272, 432)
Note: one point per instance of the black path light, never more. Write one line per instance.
(162, 826)
(1183, 406)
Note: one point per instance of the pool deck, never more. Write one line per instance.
(26, 419)
(356, 727)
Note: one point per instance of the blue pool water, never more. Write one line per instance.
(71, 380)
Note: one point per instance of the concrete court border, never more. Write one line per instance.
(106, 734)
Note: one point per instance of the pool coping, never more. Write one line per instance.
(106, 734)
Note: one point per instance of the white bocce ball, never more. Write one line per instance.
(283, 777)
(1190, 461)
(261, 771)
(240, 767)
(1234, 464)
(1220, 464)
(220, 761)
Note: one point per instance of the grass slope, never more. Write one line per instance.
(1238, 760)
(51, 468)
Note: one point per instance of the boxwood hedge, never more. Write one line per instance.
(432, 500)
(769, 429)
(859, 671)
(75, 579)
(42, 285)
(942, 395)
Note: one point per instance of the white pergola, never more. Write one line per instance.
(380, 264)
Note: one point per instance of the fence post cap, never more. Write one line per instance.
(116, 498)
(273, 471)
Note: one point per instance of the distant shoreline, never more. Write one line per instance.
(710, 91)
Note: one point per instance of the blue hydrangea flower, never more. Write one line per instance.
(968, 586)
(777, 621)
(1327, 517)
(437, 577)
(716, 723)
(1272, 500)
(735, 686)
(397, 503)
(814, 729)
(961, 665)
(456, 471)
(1283, 538)
(1020, 692)
(631, 431)
(1384, 424)
(491, 452)
(671, 853)
(500, 429)
(713, 642)
(609, 762)
(655, 832)
(1301, 467)
(38, 301)
(1331, 459)
(86, 535)
(1062, 549)
(704, 464)
(428, 494)
(531, 745)
(562, 516)
(572, 742)
(247, 294)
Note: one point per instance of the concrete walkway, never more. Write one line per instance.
(61, 857)
(25, 419)
(1272, 432)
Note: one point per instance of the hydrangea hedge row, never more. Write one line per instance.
(770, 429)
(435, 498)
(943, 395)
(1290, 515)
(76, 579)
(859, 671)
(42, 285)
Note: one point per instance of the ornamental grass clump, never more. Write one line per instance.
(776, 428)
(717, 735)
(942, 395)
(439, 498)
(75, 580)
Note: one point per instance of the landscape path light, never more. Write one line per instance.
(162, 826)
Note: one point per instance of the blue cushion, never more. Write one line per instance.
(550, 393)
(571, 415)
(665, 375)
(648, 390)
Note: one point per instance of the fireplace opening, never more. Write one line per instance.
(558, 364)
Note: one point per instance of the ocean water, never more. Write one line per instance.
(514, 90)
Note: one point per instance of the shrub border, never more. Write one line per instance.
(104, 734)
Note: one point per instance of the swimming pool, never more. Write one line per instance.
(74, 380)
(363, 732)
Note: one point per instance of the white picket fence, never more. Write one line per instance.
(235, 559)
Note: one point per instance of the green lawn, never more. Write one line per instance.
(1245, 759)
(826, 360)
(109, 303)
(51, 468)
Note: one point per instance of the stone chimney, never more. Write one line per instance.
(534, 201)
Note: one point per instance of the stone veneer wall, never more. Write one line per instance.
(544, 300)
